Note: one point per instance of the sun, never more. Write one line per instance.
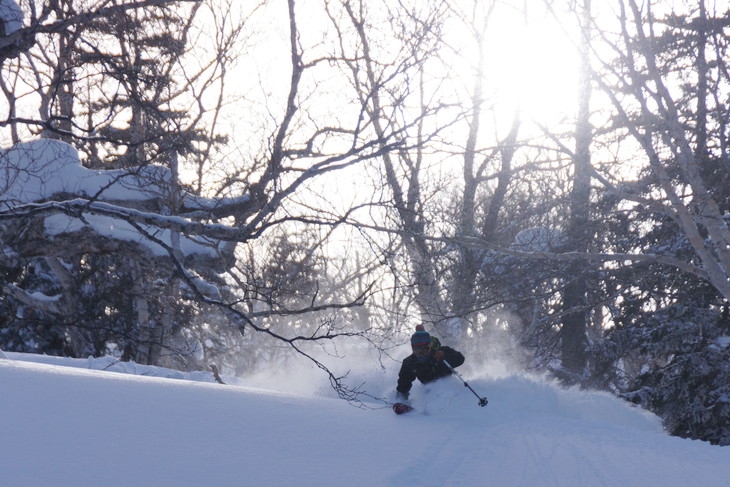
(530, 61)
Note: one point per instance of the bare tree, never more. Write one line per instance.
(675, 140)
(374, 69)
(308, 132)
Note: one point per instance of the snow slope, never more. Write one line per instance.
(65, 424)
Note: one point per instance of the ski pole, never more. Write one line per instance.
(482, 400)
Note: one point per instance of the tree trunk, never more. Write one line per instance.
(575, 310)
(143, 323)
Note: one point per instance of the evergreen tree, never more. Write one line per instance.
(666, 342)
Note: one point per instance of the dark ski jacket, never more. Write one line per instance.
(427, 371)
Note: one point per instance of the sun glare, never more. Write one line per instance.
(531, 65)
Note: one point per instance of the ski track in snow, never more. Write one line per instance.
(438, 462)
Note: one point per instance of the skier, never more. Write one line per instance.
(426, 363)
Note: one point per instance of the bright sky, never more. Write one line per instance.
(540, 64)
(530, 59)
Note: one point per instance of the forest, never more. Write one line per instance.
(194, 182)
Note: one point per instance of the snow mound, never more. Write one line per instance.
(111, 364)
(11, 16)
(36, 170)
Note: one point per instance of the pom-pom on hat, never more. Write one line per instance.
(420, 337)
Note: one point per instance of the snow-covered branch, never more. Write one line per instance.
(24, 36)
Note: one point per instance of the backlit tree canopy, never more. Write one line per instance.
(543, 182)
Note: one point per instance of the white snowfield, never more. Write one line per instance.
(67, 425)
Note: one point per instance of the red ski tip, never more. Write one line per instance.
(400, 408)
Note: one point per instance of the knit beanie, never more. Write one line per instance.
(420, 337)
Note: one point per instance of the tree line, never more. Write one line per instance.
(353, 174)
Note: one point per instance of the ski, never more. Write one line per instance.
(401, 408)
